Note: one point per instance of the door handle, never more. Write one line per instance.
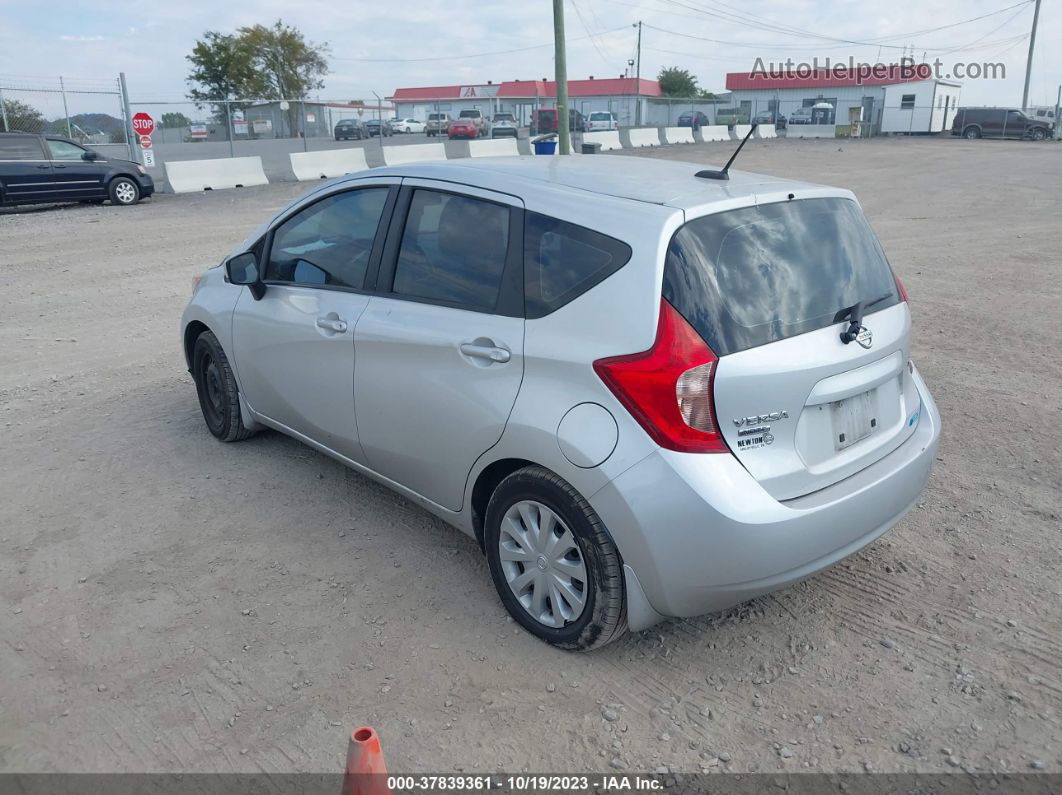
(331, 324)
(57, 165)
(44, 165)
(488, 352)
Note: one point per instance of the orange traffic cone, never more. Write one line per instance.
(366, 773)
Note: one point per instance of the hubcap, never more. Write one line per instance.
(125, 192)
(542, 564)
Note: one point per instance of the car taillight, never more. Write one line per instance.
(902, 289)
(668, 388)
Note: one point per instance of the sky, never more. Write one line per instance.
(379, 46)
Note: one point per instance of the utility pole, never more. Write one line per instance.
(637, 80)
(1029, 63)
(561, 76)
(1058, 104)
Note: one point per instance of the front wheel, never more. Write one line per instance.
(219, 397)
(124, 191)
(553, 563)
(1039, 134)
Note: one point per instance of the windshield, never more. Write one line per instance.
(760, 274)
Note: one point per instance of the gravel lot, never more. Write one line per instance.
(170, 603)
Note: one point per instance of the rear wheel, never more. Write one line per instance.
(219, 397)
(553, 563)
(124, 191)
(971, 133)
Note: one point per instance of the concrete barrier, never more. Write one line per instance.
(413, 153)
(186, 176)
(715, 132)
(329, 163)
(679, 135)
(644, 136)
(811, 131)
(740, 131)
(609, 139)
(495, 147)
(766, 131)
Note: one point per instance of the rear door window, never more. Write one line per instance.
(562, 261)
(14, 148)
(453, 250)
(760, 274)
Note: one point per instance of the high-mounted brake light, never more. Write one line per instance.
(668, 388)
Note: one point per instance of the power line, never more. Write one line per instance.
(473, 54)
(593, 41)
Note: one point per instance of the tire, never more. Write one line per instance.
(588, 565)
(971, 133)
(1038, 134)
(216, 386)
(124, 191)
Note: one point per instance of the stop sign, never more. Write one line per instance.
(143, 124)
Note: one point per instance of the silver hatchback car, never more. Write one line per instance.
(645, 393)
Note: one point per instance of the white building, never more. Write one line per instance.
(893, 99)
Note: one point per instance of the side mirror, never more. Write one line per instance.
(90, 156)
(243, 269)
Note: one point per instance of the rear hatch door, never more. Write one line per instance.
(771, 288)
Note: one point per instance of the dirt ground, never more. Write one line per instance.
(170, 603)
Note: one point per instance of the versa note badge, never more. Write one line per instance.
(759, 419)
(864, 337)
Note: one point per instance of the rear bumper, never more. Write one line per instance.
(702, 535)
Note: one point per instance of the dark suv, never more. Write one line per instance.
(975, 123)
(544, 120)
(49, 168)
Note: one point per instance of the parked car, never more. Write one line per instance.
(770, 117)
(346, 129)
(504, 124)
(463, 128)
(731, 116)
(628, 424)
(50, 168)
(437, 124)
(601, 120)
(544, 120)
(407, 126)
(476, 117)
(695, 119)
(800, 116)
(976, 123)
(380, 127)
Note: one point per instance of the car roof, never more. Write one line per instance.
(666, 182)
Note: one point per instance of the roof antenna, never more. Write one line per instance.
(709, 174)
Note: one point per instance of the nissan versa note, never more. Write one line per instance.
(644, 392)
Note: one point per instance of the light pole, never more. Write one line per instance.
(561, 77)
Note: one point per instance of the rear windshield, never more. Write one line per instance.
(600, 116)
(436, 116)
(760, 274)
(470, 114)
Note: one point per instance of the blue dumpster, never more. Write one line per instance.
(545, 147)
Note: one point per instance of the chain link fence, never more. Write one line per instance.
(89, 111)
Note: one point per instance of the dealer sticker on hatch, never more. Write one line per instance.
(751, 438)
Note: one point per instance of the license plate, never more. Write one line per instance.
(854, 419)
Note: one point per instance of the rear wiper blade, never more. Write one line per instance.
(854, 314)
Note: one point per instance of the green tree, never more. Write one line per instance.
(175, 120)
(20, 116)
(256, 62)
(223, 69)
(675, 82)
(287, 66)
